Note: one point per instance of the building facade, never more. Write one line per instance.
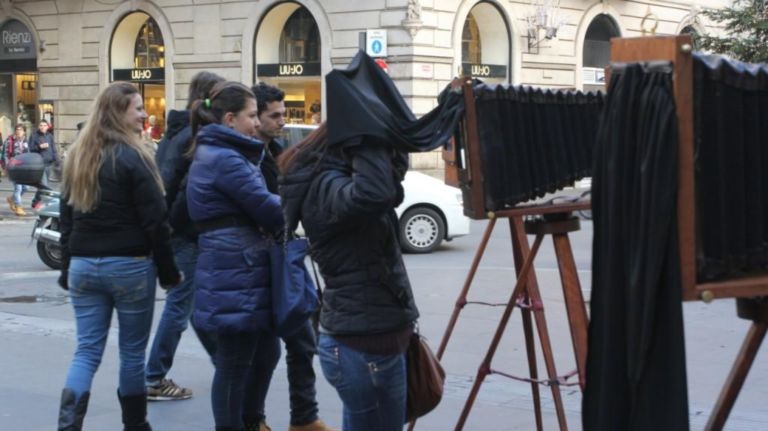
(57, 54)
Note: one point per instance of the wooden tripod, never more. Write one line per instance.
(557, 222)
(756, 310)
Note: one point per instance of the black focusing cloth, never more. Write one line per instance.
(533, 141)
(636, 377)
(364, 102)
(731, 130)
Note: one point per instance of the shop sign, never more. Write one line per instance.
(16, 41)
(484, 70)
(155, 74)
(289, 69)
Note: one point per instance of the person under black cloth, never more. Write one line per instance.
(345, 195)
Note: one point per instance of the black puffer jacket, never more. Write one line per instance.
(346, 205)
(173, 162)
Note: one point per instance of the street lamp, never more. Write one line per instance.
(542, 23)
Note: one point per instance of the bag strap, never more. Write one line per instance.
(317, 280)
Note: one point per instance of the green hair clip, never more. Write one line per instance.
(207, 103)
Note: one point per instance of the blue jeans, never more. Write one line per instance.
(96, 287)
(371, 387)
(18, 190)
(300, 348)
(179, 303)
(244, 365)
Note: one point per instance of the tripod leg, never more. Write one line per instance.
(462, 300)
(736, 378)
(530, 349)
(485, 366)
(574, 303)
(530, 346)
(519, 236)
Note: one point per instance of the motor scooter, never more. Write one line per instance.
(46, 230)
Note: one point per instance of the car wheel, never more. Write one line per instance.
(421, 230)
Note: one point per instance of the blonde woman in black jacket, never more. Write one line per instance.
(115, 240)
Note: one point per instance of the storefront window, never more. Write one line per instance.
(18, 77)
(470, 41)
(287, 56)
(597, 52)
(597, 43)
(484, 47)
(300, 40)
(149, 48)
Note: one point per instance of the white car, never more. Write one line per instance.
(430, 213)
(431, 210)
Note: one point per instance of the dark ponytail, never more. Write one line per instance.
(201, 85)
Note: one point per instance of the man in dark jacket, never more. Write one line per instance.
(174, 164)
(42, 143)
(300, 347)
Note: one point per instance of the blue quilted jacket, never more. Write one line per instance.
(232, 274)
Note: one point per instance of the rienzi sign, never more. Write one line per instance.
(154, 74)
(16, 41)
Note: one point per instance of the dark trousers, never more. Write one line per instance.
(43, 185)
(300, 350)
(244, 365)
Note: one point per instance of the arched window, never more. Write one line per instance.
(300, 40)
(485, 44)
(149, 50)
(597, 43)
(470, 41)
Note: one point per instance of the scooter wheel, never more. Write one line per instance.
(50, 254)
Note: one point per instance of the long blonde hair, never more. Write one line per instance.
(104, 132)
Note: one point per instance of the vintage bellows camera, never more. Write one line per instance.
(518, 143)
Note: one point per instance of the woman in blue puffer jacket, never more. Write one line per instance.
(235, 215)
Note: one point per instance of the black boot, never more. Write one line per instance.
(134, 412)
(72, 410)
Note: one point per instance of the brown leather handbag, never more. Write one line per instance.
(425, 379)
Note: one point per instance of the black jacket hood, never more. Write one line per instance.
(177, 121)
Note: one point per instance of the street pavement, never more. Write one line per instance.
(38, 338)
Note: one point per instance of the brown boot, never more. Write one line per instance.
(19, 211)
(317, 425)
(11, 203)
